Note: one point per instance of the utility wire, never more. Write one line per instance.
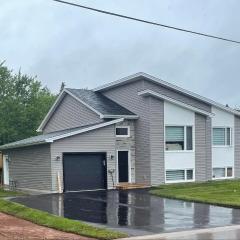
(146, 21)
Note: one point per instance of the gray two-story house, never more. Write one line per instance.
(138, 129)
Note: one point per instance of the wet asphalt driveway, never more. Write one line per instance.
(134, 211)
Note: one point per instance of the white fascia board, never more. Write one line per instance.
(134, 77)
(85, 104)
(121, 116)
(50, 112)
(105, 124)
(22, 145)
(173, 101)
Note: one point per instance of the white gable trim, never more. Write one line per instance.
(136, 76)
(105, 124)
(174, 101)
(50, 112)
(121, 116)
(58, 101)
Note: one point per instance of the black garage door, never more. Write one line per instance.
(84, 171)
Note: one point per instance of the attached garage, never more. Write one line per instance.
(76, 159)
(84, 171)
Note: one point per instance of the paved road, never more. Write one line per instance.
(219, 233)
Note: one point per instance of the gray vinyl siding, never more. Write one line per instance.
(100, 140)
(177, 95)
(69, 114)
(203, 152)
(149, 129)
(30, 167)
(127, 96)
(157, 141)
(237, 147)
(208, 148)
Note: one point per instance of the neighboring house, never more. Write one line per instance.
(138, 129)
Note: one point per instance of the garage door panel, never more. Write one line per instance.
(84, 171)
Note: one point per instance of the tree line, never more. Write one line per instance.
(23, 104)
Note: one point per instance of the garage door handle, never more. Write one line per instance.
(104, 163)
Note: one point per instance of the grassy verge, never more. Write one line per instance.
(52, 221)
(5, 193)
(223, 193)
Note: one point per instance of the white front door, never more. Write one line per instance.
(5, 171)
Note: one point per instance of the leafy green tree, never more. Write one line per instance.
(23, 104)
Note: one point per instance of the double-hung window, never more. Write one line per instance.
(222, 136)
(178, 138)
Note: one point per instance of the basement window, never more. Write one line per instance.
(122, 131)
(224, 172)
(179, 175)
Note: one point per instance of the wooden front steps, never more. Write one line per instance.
(126, 185)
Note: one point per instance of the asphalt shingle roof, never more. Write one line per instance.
(41, 138)
(100, 102)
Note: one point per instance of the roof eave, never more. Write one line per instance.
(23, 145)
(105, 124)
(121, 116)
(148, 92)
(136, 76)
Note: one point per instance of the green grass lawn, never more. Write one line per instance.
(222, 193)
(52, 221)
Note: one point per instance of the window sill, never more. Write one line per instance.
(122, 136)
(179, 151)
(222, 178)
(222, 146)
(180, 181)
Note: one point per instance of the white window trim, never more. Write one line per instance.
(231, 137)
(122, 136)
(185, 139)
(185, 176)
(129, 165)
(225, 177)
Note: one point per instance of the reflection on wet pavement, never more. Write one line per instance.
(135, 211)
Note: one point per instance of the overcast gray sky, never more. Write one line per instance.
(86, 49)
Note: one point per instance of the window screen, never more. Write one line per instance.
(229, 172)
(218, 172)
(189, 138)
(228, 130)
(174, 138)
(189, 174)
(218, 136)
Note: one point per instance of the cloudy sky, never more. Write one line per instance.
(59, 43)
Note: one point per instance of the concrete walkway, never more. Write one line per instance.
(218, 233)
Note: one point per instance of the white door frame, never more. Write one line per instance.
(5, 170)
(129, 164)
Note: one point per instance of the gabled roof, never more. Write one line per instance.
(150, 78)
(97, 102)
(51, 137)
